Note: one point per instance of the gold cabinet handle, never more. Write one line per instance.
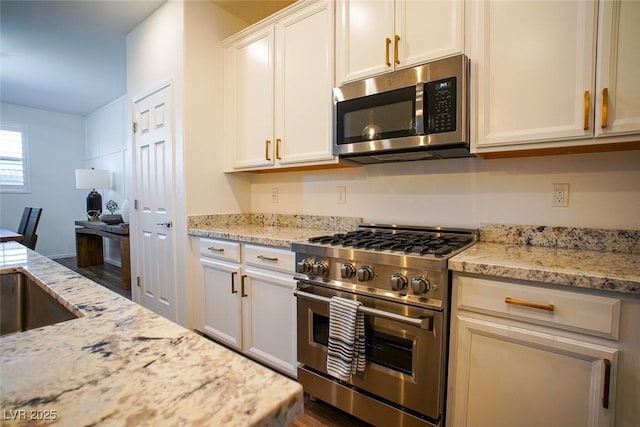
(266, 150)
(587, 104)
(605, 107)
(395, 49)
(242, 294)
(607, 383)
(212, 248)
(547, 307)
(233, 282)
(386, 52)
(266, 258)
(278, 141)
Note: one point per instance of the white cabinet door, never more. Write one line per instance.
(269, 319)
(249, 100)
(365, 34)
(304, 78)
(509, 376)
(428, 30)
(219, 287)
(618, 85)
(533, 70)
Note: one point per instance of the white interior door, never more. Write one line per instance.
(155, 197)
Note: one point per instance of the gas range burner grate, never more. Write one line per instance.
(422, 243)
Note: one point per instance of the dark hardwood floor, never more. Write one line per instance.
(316, 412)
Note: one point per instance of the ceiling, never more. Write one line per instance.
(70, 56)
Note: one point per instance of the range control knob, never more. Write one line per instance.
(420, 285)
(320, 268)
(347, 270)
(304, 266)
(365, 273)
(398, 282)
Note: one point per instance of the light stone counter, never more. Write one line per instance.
(121, 364)
(586, 258)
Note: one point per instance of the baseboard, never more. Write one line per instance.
(71, 255)
(113, 262)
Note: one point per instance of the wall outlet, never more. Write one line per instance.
(342, 194)
(560, 195)
(274, 195)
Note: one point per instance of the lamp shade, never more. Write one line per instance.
(92, 178)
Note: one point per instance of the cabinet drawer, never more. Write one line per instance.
(568, 310)
(220, 249)
(272, 258)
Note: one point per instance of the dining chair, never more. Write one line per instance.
(29, 225)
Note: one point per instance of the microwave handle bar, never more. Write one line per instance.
(420, 323)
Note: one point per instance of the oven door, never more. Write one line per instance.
(404, 348)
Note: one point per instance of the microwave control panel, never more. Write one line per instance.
(441, 105)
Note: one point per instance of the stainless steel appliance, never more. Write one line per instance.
(413, 114)
(400, 275)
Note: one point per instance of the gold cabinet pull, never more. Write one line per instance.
(242, 294)
(607, 383)
(266, 150)
(386, 51)
(266, 258)
(278, 141)
(605, 107)
(395, 49)
(547, 307)
(587, 104)
(211, 248)
(233, 282)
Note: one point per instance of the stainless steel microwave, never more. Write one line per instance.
(417, 113)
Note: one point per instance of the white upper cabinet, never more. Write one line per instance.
(278, 81)
(618, 84)
(374, 37)
(534, 73)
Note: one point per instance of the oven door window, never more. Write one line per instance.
(382, 349)
(381, 116)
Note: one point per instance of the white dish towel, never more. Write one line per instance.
(346, 353)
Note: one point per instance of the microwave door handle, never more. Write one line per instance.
(420, 103)
(420, 323)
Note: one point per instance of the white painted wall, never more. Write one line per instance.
(604, 191)
(56, 145)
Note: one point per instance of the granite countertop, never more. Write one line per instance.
(121, 364)
(586, 258)
(268, 229)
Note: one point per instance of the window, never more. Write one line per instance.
(14, 171)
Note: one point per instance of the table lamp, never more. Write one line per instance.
(92, 179)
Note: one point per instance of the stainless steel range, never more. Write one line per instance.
(400, 275)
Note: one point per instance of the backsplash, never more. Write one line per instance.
(595, 239)
(336, 223)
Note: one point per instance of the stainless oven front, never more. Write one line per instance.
(405, 358)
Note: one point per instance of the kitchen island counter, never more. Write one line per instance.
(121, 364)
(606, 260)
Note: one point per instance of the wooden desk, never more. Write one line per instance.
(9, 236)
(89, 247)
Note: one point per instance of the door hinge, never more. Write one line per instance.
(135, 127)
(138, 281)
(135, 204)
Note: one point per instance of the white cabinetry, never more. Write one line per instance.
(278, 81)
(540, 70)
(374, 37)
(529, 356)
(245, 300)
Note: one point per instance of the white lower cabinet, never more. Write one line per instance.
(523, 355)
(245, 300)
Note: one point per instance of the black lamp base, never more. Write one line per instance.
(94, 205)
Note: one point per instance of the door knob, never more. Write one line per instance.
(165, 223)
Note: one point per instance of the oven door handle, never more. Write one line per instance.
(423, 323)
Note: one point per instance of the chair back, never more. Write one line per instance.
(30, 218)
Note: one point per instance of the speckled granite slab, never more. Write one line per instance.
(268, 229)
(585, 258)
(120, 364)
